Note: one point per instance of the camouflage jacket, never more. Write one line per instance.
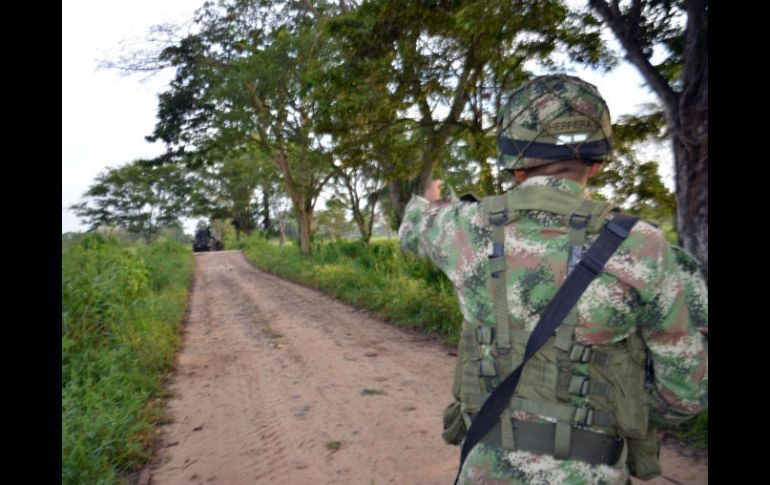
(646, 285)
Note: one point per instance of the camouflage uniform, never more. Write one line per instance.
(646, 285)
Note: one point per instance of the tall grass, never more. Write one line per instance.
(405, 290)
(121, 308)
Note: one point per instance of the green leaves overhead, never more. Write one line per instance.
(366, 100)
(141, 197)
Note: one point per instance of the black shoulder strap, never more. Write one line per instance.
(590, 265)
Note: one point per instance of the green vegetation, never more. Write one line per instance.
(372, 392)
(121, 308)
(333, 447)
(695, 431)
(405, 290)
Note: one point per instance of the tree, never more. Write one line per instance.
(435, 69)
(232, 185)
(681, 84)
(141, 197)
(362, 187)
(333, 222)
(244, 80)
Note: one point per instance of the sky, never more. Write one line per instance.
(105, 116)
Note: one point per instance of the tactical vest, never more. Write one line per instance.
(611, 377)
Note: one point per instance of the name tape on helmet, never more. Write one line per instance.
(571, 124)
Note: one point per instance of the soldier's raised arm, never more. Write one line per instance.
(432, 225)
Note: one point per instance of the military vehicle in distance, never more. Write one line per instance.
(205, 241)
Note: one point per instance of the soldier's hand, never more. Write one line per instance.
(433, 192)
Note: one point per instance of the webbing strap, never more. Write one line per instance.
(497, 212)
(565, 413)
(578, 223)
(542, 199)
(539, 438)
(591, 264)
(498, 215)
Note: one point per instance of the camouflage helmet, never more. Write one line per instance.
(553, 118)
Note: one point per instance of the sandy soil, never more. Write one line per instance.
(280, 384)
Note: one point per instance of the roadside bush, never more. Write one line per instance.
(121, 308)
(400, 288)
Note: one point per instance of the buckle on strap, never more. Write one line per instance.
(578, 221)
(497, 259)
(590, 264)
(502, 351)
(580, 353)
(485, 335)
(579, 385)
(616, 229)
(497, 250)
(583, 416)
(498, 218)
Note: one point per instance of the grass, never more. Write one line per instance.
(695, 431)
(405, 290)
(121, 309)
(372, 392)
(333, 445)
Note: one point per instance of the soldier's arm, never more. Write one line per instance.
(428, 227)
(679, 351)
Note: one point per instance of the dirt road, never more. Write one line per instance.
(280, 384)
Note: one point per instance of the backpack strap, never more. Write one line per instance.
(496, 208)
(589, 267)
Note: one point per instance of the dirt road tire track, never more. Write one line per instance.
(269, 389)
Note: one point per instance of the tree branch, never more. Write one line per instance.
(634, 53)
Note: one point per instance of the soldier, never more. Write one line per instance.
(628, 358)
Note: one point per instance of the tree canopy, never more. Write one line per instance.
(366, 101)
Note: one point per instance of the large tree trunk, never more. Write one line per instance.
(302, 207)
(398, 199)
(282, 229)
(304, 219)
(265, 208)
(686, 114)
(691, 169)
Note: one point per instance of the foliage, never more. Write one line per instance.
(370, 100)
(631, 183)
(226, 189)
(141, 197)
(332, 223)
(405, 290)
(121, 307)
(678, 30)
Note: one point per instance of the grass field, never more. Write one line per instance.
(121, 310)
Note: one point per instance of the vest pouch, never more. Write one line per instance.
(454, 424)
(628, 398)
(644, 456)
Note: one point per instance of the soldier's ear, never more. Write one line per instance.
(520, 175)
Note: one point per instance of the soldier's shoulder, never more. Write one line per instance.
(646, 233)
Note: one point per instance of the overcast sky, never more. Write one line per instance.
(105, 117)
